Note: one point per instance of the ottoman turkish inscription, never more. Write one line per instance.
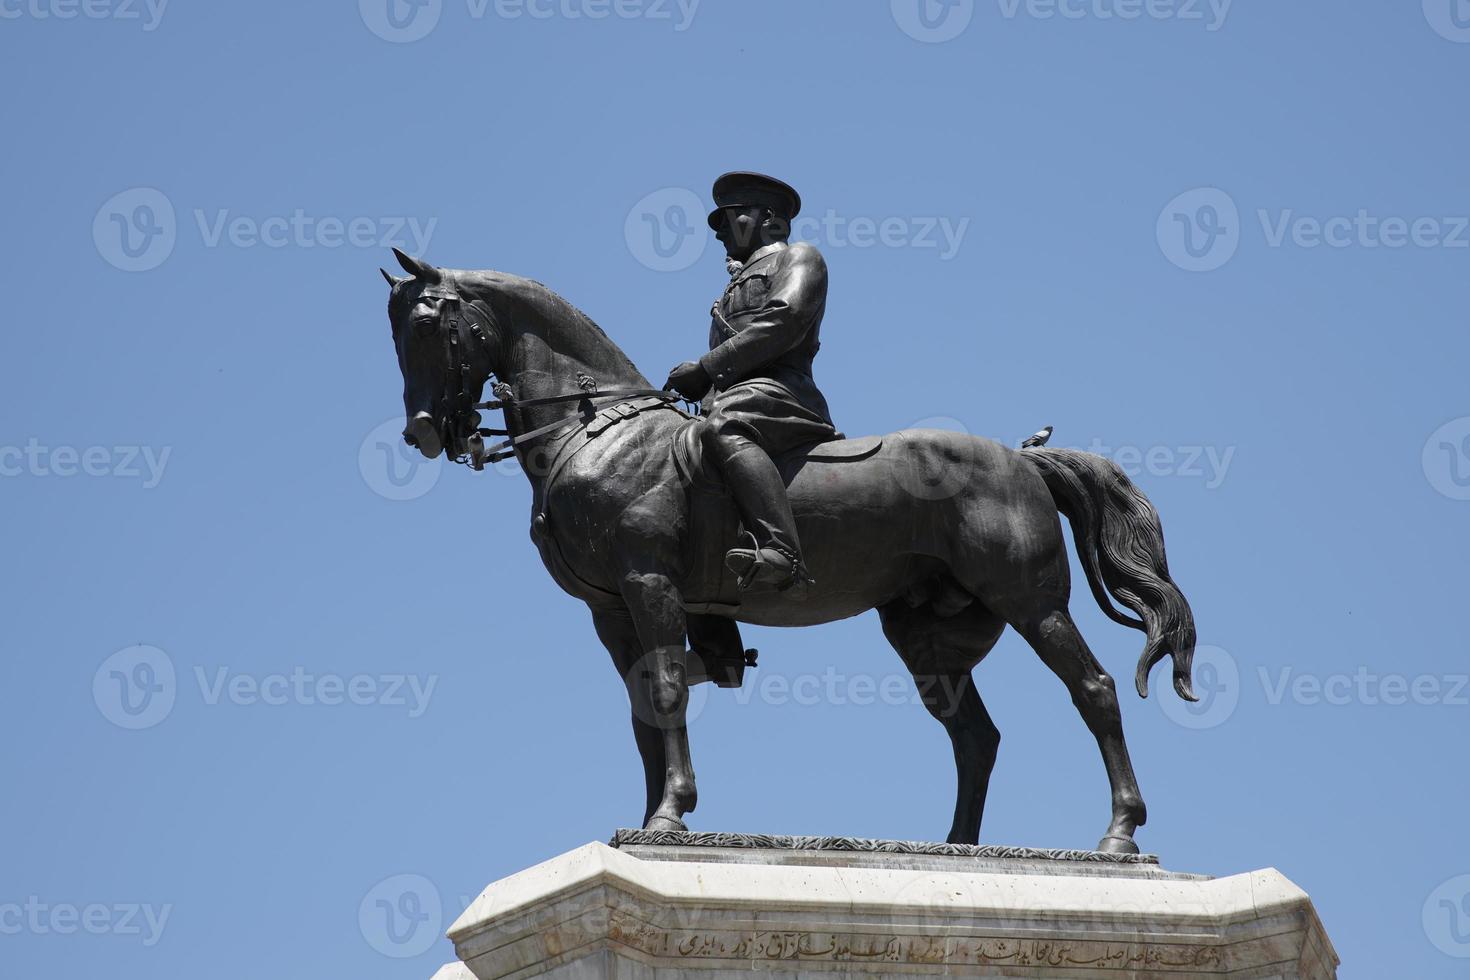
(668, 905)
(924, 950)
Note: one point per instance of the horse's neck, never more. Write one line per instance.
(549, 349)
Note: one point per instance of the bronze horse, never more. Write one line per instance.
(950, 537)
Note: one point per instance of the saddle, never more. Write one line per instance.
(712, 517)
(711, 593)
(689, 456)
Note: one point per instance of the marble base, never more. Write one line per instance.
(717, 907)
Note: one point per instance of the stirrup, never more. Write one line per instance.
(797, 574)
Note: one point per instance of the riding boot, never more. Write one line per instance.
(760, 496)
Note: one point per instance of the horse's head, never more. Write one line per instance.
(441, 337)
(453, 329)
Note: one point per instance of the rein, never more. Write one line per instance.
(479, 454)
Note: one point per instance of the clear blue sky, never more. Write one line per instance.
(196, 203)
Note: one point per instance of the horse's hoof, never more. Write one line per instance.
(665, 823)
(1113, 844)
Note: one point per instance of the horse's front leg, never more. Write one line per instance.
(616, 631)
(657, 610)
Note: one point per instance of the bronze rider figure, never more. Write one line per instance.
(760, 399)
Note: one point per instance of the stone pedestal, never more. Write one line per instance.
(663, 906)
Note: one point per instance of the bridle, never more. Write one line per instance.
(465, 439)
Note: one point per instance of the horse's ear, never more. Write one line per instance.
(416, 268)
(393, 281)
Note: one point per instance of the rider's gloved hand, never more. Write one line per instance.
(689, 379)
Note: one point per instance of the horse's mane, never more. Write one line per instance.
(548, 306)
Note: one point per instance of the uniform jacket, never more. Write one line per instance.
(765, 326)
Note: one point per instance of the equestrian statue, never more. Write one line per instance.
(674, 526)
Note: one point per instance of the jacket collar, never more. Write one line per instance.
(763, 252)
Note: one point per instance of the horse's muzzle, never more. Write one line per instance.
(423, 434)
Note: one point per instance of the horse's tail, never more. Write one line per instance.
(1121, 545)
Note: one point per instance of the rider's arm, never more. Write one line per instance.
(798, 291)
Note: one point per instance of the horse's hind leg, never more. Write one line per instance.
(940, 652)
(1055, 638)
